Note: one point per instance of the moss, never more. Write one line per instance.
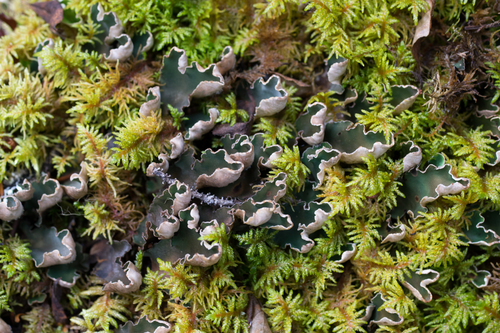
(373, 209)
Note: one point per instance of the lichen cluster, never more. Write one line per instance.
(249, 166)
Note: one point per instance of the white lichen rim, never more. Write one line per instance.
(337, 71)
(423, 284)
(132, 274)
(395, 236)
(320, 217)
(122, 52)
(264, 214)
(496, 161)
(54, 257)
(165, 329)
(278, 183)
(316, 120)
(115, 30)
(192, 223)
(306, 247)
(181, 200)
(49, 200)
(9, 213)
(413, 158)
(149, 43)
(489, 114)
(407, 102)
(221, 176)
(210, 228)
(351, 99)
(167, 229)
(346, 255)
(162, 166)
(198, 259)
(281, 193)
(384, 320)
(480, 226)
(74, 192)
(65, 284)
(324, 164)
(25, 194)
(378, 149)
(388, 322)
(368, 313)
(227, 61)
(202, 127)
(208, 88)
(177, 146)
(272, 105)
(153, 104)
(245, 157)
(442, 190)
(204, 88)
(277, 210)
(259, 217)
(486, 278)
(269, 162)
(305, 237)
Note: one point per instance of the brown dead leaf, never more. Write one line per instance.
(51, 12)
(4, 327)
(291, 80)
(423, 29)
(257, 321)
(238, 128)
(57, 309)
(9, 21)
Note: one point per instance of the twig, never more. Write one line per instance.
(207, 198)
(481, 27)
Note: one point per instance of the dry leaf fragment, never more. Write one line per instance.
(423, 28)
(4, 327)
(57, 309)
(257, 321)
(51, 12)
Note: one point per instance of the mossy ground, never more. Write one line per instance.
(81, 108)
